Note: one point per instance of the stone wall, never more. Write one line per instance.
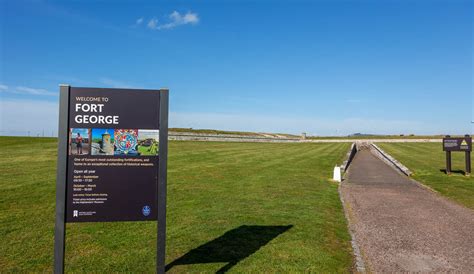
(185, 136)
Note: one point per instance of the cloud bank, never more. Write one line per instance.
(27, 91)
(36, 116)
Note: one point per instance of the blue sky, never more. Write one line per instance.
(322, 67)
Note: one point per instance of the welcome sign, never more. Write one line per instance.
(113, 155)
(112, 160)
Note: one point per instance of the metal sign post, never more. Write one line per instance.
(162, 177)
(112, 161)
(60, 227)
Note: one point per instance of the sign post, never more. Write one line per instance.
(163, 171)
(112, 160)
(451, 144)
(468, 162)
(60, 227)
(448, 162)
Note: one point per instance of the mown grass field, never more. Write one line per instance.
(242, 207)
(428, 162)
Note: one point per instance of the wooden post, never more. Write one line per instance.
(468, 163)
(468, 156)
(448, 162)
(448, 159)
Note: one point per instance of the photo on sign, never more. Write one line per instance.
(79, 141)
(126, 142)
(102, 141)
(148, 140)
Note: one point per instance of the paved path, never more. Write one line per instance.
(400, 226)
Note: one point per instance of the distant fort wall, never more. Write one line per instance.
(189, 136)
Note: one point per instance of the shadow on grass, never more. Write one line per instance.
(454, 171)
(232, 247)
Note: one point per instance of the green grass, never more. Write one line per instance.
(216, 131)
(213, 189)
(378, 137)
(148, 150)
(427, 160)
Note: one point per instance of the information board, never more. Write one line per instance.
(457, 144)
(113, 155)
(112, 161)
(453, 144)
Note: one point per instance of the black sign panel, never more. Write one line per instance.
(457, 144)
(112, 169)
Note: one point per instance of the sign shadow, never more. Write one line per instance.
(454, 171)
(232, 247)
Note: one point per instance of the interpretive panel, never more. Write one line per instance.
(457, 144)
(113, 155)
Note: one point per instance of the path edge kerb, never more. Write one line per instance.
(349, 157)
(358, 265)
(391, 161)
(387, 158)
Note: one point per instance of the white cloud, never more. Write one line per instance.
(152, 24)
(176, 19)
(27, 91)
(34, 91)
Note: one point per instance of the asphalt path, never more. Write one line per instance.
(401, 226)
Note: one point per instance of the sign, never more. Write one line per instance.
(113, 155)
(457, 144)
(112, 160)
(451, 144)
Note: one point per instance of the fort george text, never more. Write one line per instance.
(93, 105)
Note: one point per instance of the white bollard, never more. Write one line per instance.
(337, 174)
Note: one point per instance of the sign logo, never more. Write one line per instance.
(146, 210)
(464, 144)
(75, 213)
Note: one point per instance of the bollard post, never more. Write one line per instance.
(337, 174)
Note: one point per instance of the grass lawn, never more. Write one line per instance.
(428, 162)
(377, 137)
(148, 150)
(243, 207)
